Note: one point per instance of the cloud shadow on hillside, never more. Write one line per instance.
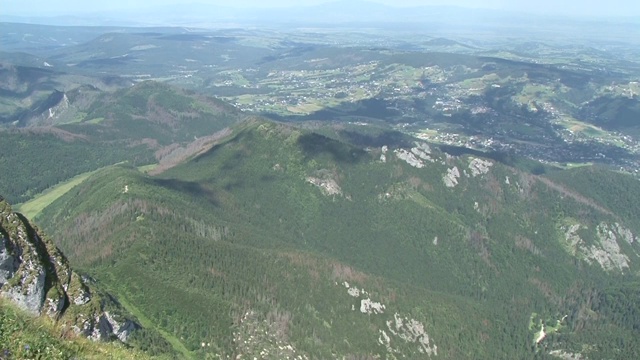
(190, 188)
(314, 145)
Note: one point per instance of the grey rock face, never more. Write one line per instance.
(29, 292)
(451, 177)
(122, 329)
(102, 330)
(22, 274)
(54, 306)
(409, 158)
(36, 276)
(82, 298)
(606, 252)
(479, 166)
(106, 326)
(8, 263)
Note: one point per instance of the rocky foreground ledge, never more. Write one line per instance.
(36, 276)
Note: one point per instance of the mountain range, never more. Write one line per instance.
(280, 240)
(349, 14)
(237, 193)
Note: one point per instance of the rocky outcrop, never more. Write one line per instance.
(328, 186)
(383, 156)
(35, 275)
(367, 306)
(326, 180)
(23, 264)
(399, 330)
(411, 331)
(479, 166)
(49, 111)
(606, 252)
(423, 151)
(106, 326)
(54, 111)
(410, 158)
(8, 261)
(450, 179)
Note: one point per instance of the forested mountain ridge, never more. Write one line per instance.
(297, 238)
(35, 95)
(144, 124)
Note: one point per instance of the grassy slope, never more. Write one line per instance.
(32, 208)
(25, 337)
(145, 322)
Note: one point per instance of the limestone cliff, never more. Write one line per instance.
(36, 276)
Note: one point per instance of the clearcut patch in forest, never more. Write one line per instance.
(33, 207)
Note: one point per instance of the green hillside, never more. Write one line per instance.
(25, 337)
(276, 242)
(616, 113)
(145, 124)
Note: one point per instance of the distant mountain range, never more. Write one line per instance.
(332, 14)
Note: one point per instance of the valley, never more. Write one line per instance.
(470, 96)
(319, 193)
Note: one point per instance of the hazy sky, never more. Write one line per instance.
(628, 8)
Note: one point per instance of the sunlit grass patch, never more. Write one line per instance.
(33, 207)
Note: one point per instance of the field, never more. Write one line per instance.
(33, 207)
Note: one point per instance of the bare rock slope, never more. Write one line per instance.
(35, 275)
